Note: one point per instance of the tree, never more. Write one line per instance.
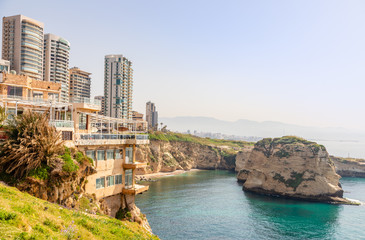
(31, 143)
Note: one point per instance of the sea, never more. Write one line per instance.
(211, 205)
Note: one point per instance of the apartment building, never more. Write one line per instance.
(55, 63)
(118, 86)
(22, 45)
(102, 100)
(151, 115)
(80, 83)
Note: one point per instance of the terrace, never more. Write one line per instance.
(101, 130)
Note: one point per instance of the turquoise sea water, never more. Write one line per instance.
(212, 205)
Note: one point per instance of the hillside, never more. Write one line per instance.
(170, 151)
(25, 217)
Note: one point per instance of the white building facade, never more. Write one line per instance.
(118, 87)
(56, 62)
(22, 45)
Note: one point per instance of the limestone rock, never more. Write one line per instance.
(291, 167)
(242, 157)
(164, 156)
(349, 167)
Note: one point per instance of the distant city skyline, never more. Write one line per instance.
(296, 62)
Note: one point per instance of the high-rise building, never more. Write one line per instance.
(80, 82)
(4, 65)
(151, 115)
(23, 45)
(118, 85)
(55, 63)
(102, 100)
(136, 116)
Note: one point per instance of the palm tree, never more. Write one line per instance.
(31, 143)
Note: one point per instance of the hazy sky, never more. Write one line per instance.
(300, 62)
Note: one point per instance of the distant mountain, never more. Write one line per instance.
(245, 127)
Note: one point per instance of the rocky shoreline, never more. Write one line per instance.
(289, 167)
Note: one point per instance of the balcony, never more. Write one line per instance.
(134, 190)
(86, 103)
(134, 165)
(110, 139)
(62, 124)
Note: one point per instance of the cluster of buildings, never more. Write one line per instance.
(35, 76)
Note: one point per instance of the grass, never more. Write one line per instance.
(179, 137)
(25, 217)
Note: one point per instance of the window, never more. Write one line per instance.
(101, 155)
(90, 154)
(100, 182)
(53, 96)
(37, 95)
(15, 91)
(110, 154)
(109, 181)
(66, 135)
(117, 154)
(129, 155)
(128, 178)
(82, 121)
(118, 179)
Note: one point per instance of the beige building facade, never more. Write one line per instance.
(80, 83)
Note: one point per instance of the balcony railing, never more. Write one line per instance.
(62, 123)
(86, 100)
(112, 136)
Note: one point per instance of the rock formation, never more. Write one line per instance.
(291, 167)
(349, 167)
(168, 156)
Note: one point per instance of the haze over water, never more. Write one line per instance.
(212, 205)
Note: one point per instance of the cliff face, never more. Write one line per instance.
(291, 167)
(348, 168)
(167, 156)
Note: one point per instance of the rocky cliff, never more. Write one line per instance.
(186, 152)
(291, 167)
(348, 167)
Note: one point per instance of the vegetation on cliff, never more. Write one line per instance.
(268, 144)
(34, 159)
(169, 151)
(180, 137)
(25, 217)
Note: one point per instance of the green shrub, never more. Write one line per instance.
(69, 165)
(294, 181)
(123, 213)
(282, 153)
(79, 157)
(84, 203)
(40, 173)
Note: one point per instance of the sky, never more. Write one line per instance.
(300, 62)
